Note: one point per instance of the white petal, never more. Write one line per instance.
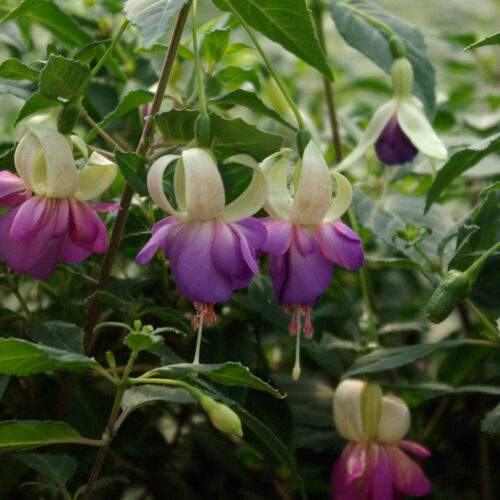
(276, 169)
(394, 420)
(342, 201)
(205, 196)
(155, 185)
(81, 145)
(372, 132)
(59, 169)
(347, 410)
(254, 196)
(97, 175)
(28, 151)
(417, 128)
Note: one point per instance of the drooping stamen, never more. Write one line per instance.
(200, 314)
(296, 368)
(308, 329)
(294, 325)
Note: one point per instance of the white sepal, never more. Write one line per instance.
(417, 128)
(314, 188)
(155, 185)
(81, 145)
(394, 420)
(347, 410)
(28, 152)
(205, 195)
(254, 196)
(372, 132)
(342, 201)
(97, 175)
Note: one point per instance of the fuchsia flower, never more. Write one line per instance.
(373, 465)
(305, 234)
(211, 247)
(51, 220)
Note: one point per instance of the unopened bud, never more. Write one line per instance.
(222, 417)
(137, 325)
(203, 131)
(67, 117)
(397, 47)
(402, 77)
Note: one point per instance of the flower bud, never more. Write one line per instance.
(402, 77)
(397, 47)
(203, 131)
(67, 117)
(454, 288)
(221, 416)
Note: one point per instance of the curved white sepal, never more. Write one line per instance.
(97, 175)
(314, 188)
(155, 185)
(59, 165)
(276, 170)
(372, 132)
(254, 196)
(205, 195)
(81, 145)
(342, 201)
(394, 420)
(417, 128)
(28, 152)
(347, 410)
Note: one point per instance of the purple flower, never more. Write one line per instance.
(50, 221)
(393, 147)
(211, 247)
(305, 235)
(373, 466)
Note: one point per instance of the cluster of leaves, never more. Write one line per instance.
(54, 393)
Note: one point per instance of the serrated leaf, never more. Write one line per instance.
(372, 41)
(488, 40)
(57, 334)
(133, 170)
(35, 103)
(152, 17)
(57, 468)
(458, 163)
(228, 373)
(14, 69)
(215, 43)
(388, 359)
(19, 357)
(287, 23)
(139, 341)
(64, 77)
(140, 395)
(26, 435)
(253, 102)
(491, 423)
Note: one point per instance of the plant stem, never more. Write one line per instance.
(128, 191)
(199, 76)
(15, 290)
(481, 317)
(479, 262)
(366, 17)
(110, 427)
(267, 62)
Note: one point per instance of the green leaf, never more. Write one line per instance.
(489, 40)
(14, 69)
(140, 395)
(491, 423)
(140, 341)
(4, 382)
(63, 77)
(86, 53)
(228, 373)
(57, 334)
(152, 17)
(237, 75)
(35, 103)
(287, 23)
(388, 359)
(133, 170)
(23, 90)
(26, 435)
(177, 126)
(57, 468)
(393, 262)
(458, 163)
(253, 102)
(493, 187)
(99, 484)
(372, 41)
(19, 357)
(215, 44)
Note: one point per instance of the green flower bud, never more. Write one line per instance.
(371, 405)
(402, 77)
(66, 119)
(203, 131)
(454, 288)
(397, 47)
(137, 325)
(222, 417)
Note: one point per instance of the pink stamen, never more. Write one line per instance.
(207, 308)
(295, 324)
(308, 329)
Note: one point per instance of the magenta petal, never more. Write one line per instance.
(104, 207)
(254, 231)
(341, 488)
(13, 190)
(340, 244)
(226, 251)
(61, 214)
(356, 463)
(381, 482)
(28, 217)
(303, 239)
(415, 448)
(407, 476)
(279, 236)
(70, 252)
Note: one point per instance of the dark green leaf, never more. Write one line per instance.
(152, 17)
(489, 40)
(133, 170)
(143, 394)
(14, 69)
(57, 334)
(140, 341)
(253, 102)
(372, 41)
(459, 163)
(287, 23)
(491, 424)
(109, 300)
(236, 76)
(57, 468)
(19, 357)
(86, 53)
(215, 44)
(26, 435)
(100, 483)
(63, 77)
(388, 359)
(35, 103)
(177, 126)
(4, 382)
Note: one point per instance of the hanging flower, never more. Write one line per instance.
(399, 128)
(305, 235)
(211, 247)
(373, 465)
(51, 220)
